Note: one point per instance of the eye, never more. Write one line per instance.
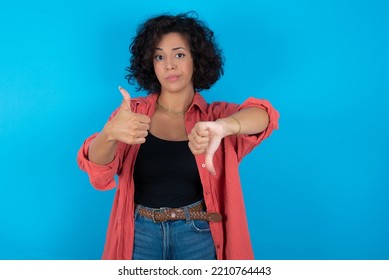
(158, 57)
(180, 55)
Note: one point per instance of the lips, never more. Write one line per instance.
(172, 78)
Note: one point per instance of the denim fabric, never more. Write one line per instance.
(172, 240)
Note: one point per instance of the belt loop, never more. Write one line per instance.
(187, 214)
(136, 211)
(153, 211)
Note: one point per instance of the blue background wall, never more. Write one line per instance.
(317, 189)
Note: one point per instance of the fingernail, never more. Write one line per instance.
(120, 87)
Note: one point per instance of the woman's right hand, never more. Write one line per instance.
(127, 126)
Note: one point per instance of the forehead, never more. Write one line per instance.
(172, 40)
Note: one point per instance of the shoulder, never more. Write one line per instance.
(144, 100)
(143, 104)
(214, 108)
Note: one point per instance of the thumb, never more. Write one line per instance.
(213, 145)
(126, 98)
(209, 163)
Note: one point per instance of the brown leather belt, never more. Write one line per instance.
(173, 214)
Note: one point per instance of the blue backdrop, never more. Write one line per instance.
(317, 189)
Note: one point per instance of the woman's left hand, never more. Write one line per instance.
(205, 137)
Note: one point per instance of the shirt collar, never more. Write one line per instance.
(200, 102)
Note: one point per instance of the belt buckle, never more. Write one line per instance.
(155, 210)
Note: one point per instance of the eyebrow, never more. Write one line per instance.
(173, 49)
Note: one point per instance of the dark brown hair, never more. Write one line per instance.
(207, 58)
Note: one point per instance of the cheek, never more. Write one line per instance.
(191, 72)
(189, 68)
(157, 70)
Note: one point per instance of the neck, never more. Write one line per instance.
(175, 103)
(170, 112)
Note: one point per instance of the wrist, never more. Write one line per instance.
(106, 134)
(231, 125)
(239, 125)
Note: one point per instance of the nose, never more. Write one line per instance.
(170, 64)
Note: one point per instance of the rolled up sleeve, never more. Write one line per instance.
(245, 143)
(100, 176)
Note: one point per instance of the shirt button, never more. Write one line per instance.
(203, 165)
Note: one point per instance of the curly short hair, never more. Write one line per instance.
(207, 57)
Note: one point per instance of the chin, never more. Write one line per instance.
(173, 89)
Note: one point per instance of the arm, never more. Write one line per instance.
(255, 119)
(102, 150)
(247, 121)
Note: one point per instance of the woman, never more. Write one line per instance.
(176, 157)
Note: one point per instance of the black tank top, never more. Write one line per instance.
(166, 174)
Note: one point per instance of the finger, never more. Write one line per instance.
(135, 141)
(126, 98)
(196, 149)
(191, 148)
(143, 119)
(199, 136)
(141, 127)
(198, 140)
(209, 163)
(201, 129)
(140, 134)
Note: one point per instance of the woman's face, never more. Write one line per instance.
(173, 64)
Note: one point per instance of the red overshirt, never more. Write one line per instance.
(222, 192)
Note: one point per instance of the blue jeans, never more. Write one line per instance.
(172, 240)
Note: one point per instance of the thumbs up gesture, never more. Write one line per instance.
(127, 126)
